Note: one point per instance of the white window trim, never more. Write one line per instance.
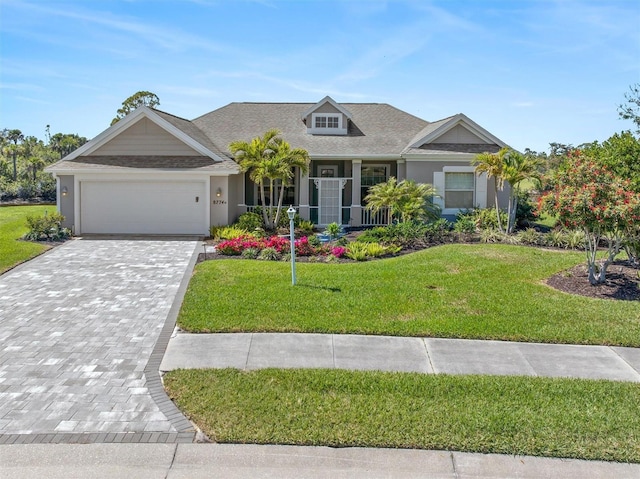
(341, 130)
(457, 169)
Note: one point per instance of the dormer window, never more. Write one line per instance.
(326, 118)
(326, 121)
(328, 124)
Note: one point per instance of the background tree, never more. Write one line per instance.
(12, 147)
(620, 154)
(65, 143)
(136, 100)
(631, 111)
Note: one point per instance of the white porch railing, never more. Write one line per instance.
(369, 218)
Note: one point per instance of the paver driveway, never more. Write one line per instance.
(78, 327)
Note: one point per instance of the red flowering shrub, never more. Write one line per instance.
(338, 251)
(590, 197)
(303, 248)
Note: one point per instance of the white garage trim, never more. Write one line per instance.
(160, 205)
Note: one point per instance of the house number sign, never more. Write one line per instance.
(219, 202)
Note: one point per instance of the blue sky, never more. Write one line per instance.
(530, 72)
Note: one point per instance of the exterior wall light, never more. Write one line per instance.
(64, 191)
(219, 192)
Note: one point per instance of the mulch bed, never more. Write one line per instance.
(622, 283)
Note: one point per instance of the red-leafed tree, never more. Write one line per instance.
(588, 196)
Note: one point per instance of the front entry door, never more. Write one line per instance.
(330, 201)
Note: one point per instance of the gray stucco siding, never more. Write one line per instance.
(66, 202)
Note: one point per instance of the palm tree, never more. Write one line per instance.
(416, 201)
(13, 136)
(406, 199)
(517, 168)
(384, 195)
(492, 164)
(289, 159)
(270, 158)
(252, 156)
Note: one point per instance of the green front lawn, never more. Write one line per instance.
(489, 414)
(12, 226)
(452, 291)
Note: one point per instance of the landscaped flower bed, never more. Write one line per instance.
(237, 246)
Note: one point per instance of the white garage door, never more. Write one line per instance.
(159, 207)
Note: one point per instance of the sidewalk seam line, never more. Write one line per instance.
(453, 463)
(173, 459)
(246, 363)
(426, 350)
(333, 350)
(625, 361)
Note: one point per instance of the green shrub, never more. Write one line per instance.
(250, 253)
(46, 228)
(464, 225)
(557, 239)
(333, 230)
(576, 239)
(341, 242)
(526, 210)
(407, 234)
(228, 232)
(330, 258)
(438, 231)
(47, 187)
(530, 237)
(362, 251)
(269, 254)
(27, 189)
(357, 251)
(485, 218)
(249, 221)
(8, 189)
(314, 241)
(491, 235)
(305, 227)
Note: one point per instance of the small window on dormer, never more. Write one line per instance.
(327, 121)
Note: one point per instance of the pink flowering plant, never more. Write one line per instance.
(590, 197)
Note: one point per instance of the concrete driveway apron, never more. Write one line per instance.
(82, 333)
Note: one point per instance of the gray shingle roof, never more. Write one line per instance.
(376, 129)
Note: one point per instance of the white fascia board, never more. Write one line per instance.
(144, 171)
(355, 157)
(327, 99)
(146, 112)
(459, 119)
(452, 157)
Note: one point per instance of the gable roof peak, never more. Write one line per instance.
(332, 102)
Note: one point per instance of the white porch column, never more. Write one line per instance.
(356, 207)
(303, 195)
(402, 170)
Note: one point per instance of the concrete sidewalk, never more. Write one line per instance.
(424, 355)
(194, 461)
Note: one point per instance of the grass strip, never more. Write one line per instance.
(13, 225)
(452, 291)
(569, 418)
